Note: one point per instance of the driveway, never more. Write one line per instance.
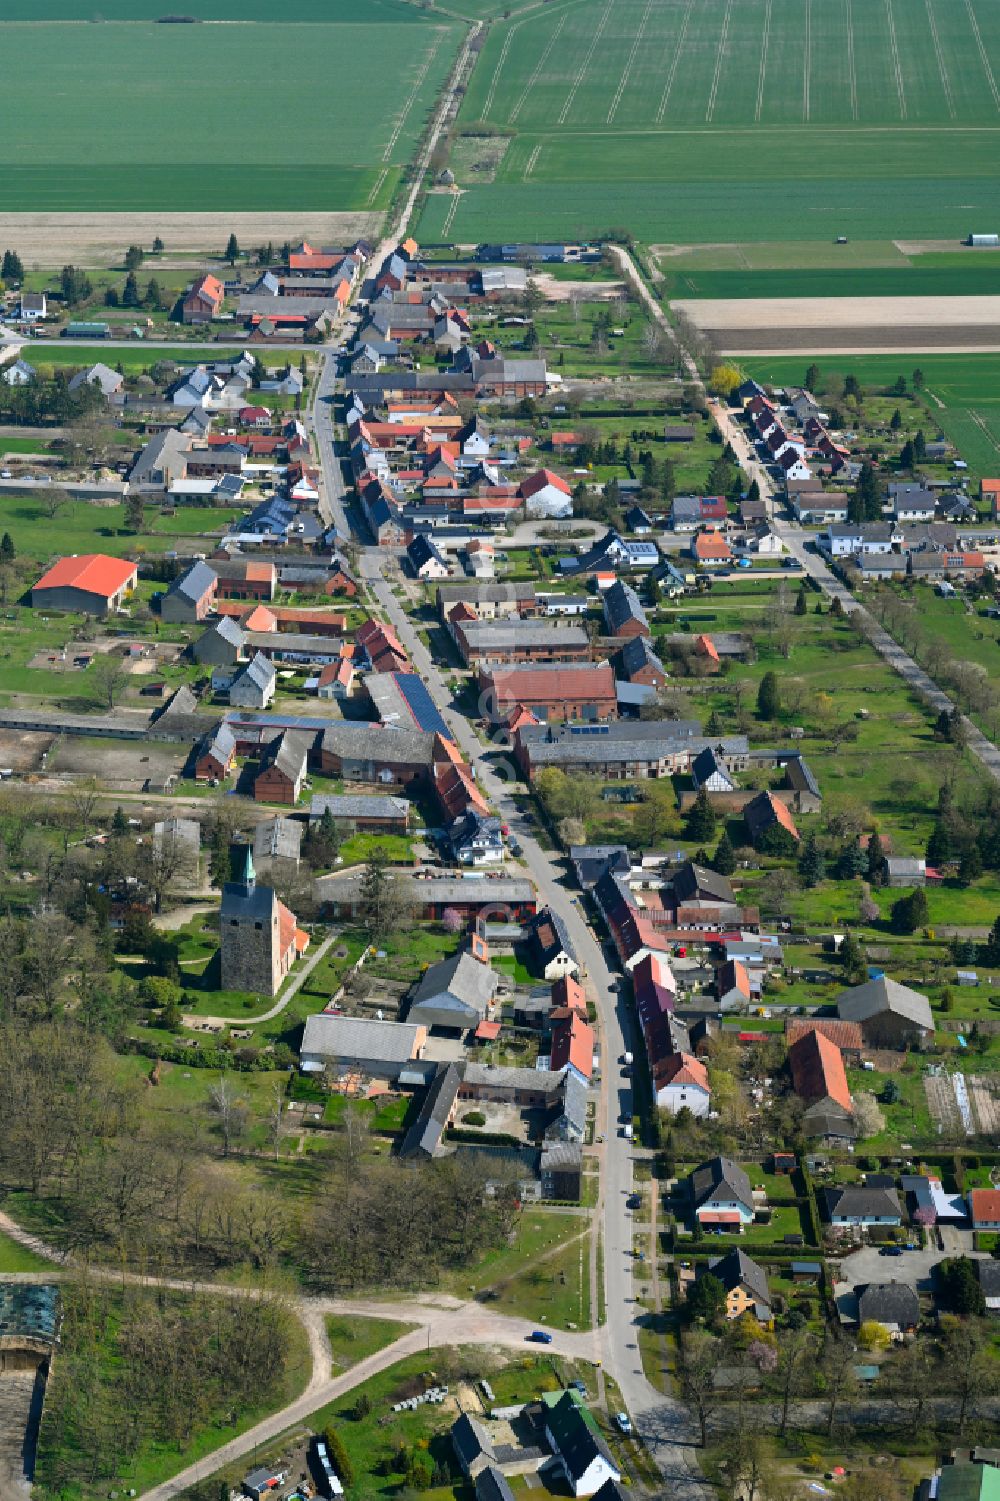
(912, 1268)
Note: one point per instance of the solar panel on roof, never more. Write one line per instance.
(426, 715)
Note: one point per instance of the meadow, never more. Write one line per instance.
(141, 144)
(660, 99)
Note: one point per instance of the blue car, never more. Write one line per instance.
(539, 1337)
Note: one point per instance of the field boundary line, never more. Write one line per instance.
(623, 81)
(945, 80)
(983, 56)
(682, 37)
(536, 71)
(404, 113)
(719, 59)
(807, 62)
(762, 74)
(571, 96)
(850, 61)
(897, 69)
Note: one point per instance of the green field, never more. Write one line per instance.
(970, 279)
(642, 113)
(336, 112)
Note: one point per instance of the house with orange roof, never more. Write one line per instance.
(87, 584)
(546, 495)
(705, 647)
(710, 548)
(984, 1208)
(732, 986)
(820, 1081)
(567, 993)
(572, 1046)
(204, 301)
(682, 1084)
(241, 578)
(765, 813)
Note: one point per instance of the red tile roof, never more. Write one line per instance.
(985, 1205)
(573, 1043)
(818, 1070)
(681, 1069)
(540, 480)
(842, 1034)
(568, 992)
(94, 573)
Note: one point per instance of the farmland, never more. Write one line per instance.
(638, 113)
(143, 145)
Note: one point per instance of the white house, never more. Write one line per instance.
(912, 503)
(32, 307)
(682, 1084)
(871, 537)
(20, 373)
(581, 1454)
(768, 545)
(546, 495)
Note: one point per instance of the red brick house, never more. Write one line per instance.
(247, 580)
(204, 301)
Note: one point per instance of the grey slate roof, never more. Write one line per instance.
(260, 671)
(512, 635)
(861, 1203)
(424, 1137)
(493, 1485)
(876, 997)
(194, 583)
(471, 1440)
(247, 902)
(357, 805)
(221, 743)
(888, 1303)
(721, 1178)
(737, 1269)
(621, 606)
(637, 653)
(358, 1037)
(458, 986)
(578, 1444)
(278, 839)
(372, 742)
(288, 754)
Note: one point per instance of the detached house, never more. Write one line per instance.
(204, 301)
(746, 1285)
(710, 549)
(722, 1196)
(682, 1084)
(552, 948)
(984, 1208)
(861, 1206)
(546, 495)
(581, 1454)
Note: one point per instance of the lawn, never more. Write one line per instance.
(353, 1337)
(639, 114)
(80, 526)
(397, 848)
(499, 1278)
(140, 145)
(16, 1258)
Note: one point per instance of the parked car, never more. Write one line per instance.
(624, 1422)
(891, 1251)
(540, 1337)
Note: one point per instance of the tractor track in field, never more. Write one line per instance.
(537, 71)
(404, 113)
(850, 62)
(665, 96)
(720, 57)
(626, 71)
(896, 65)
(571, 96)
(762, 72)
(983, 55)
(939, 54)
(807, 62)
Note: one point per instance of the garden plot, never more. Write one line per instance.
(942, 1103)
(984, 1093)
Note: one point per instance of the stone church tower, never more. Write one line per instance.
(257, 931)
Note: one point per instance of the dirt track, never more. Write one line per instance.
(54, 239)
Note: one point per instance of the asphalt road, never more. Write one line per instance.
(661, 1422)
